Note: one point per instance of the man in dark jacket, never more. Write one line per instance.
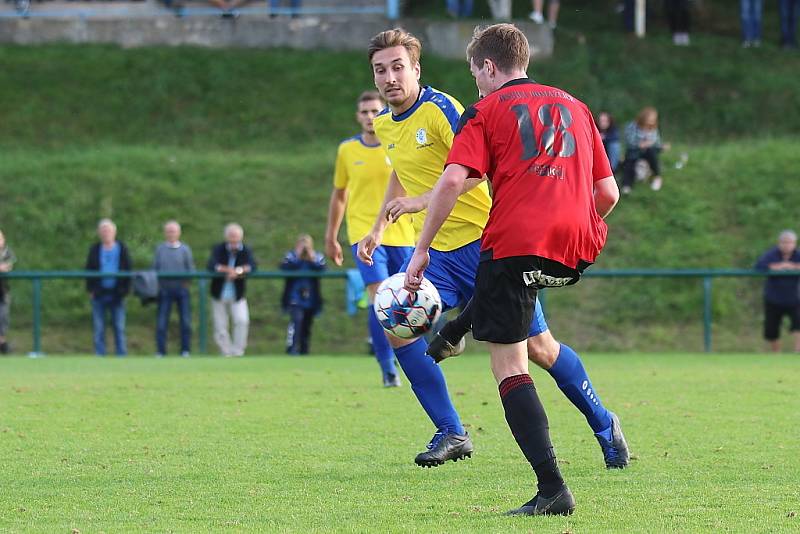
(108, 294)
(781, 292)
(235, 260)
(7, 260)
(302, 298)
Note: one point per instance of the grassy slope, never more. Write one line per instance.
(313, 445)
(213, 135)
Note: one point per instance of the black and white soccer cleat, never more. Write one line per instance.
(615, 450)
(443, 447)
(562, 503)
(440, 349)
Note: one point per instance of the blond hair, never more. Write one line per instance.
(645, 114)
(504, 44)
(396, 37)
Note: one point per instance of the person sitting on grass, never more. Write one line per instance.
(643, 142)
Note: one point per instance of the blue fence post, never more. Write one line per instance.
(707, 313)
(393, 9)
(203, 326)
(37, 317)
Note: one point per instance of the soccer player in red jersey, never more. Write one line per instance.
(552, 186)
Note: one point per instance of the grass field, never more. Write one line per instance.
(314, 444)
(208, 136)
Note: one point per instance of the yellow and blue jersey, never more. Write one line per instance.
(417, 143)
(363, 170)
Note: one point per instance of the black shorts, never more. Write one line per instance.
(773, 316)
(505, 294)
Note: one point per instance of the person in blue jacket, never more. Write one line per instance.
(781, 292)
(302, 298)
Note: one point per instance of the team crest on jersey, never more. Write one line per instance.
(422, 136)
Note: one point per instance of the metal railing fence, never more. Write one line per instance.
(706, 276)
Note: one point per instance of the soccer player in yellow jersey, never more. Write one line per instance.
(359, 183)
(417, 131)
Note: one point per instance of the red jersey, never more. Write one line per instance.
(542, 152)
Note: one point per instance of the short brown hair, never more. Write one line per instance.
(396, 37)
(368, 96)
(504, 44)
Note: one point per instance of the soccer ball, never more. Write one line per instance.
(404, 314)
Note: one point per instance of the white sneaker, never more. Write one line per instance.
(185, 354)
(536, 17)
(656, 185)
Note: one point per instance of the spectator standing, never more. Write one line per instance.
(302, 298)
(460, 8)
(781, 292)
(108, 255)
(643, 141)
(679, 20)
(789, 9)
(276, 4)
(7, 260)
(173, 256)
(228, 303)
(610, 137)
(750, 12)
(552, 12)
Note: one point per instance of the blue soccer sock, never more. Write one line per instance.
(383, 351)
(572, 380)
(428, 383)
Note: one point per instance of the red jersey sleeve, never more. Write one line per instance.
(470, 147)
(601, 168)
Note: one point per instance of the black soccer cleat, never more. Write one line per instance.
(440, 349)
(615, 452)
(445, 447)
(562, 503)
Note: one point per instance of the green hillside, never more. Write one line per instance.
(210, 136)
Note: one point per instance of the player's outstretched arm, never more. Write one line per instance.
(335, 214)
(443, 198)
(606, 195)
(373, 240)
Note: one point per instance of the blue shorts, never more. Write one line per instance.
(386, 261)
(453, 274)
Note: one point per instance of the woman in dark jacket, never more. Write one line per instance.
(302, 298)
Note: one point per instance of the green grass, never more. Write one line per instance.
(710, 215)
(209, 136)
(315, 444)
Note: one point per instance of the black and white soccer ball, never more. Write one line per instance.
(403, 314)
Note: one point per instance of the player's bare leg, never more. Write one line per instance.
(528, 423)
(544, 350)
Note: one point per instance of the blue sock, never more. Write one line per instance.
(572, 380)
(428, 383)
(383, 351)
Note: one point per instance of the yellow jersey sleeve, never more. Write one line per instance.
(417, 143)
(364, 170)
(340, 169)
